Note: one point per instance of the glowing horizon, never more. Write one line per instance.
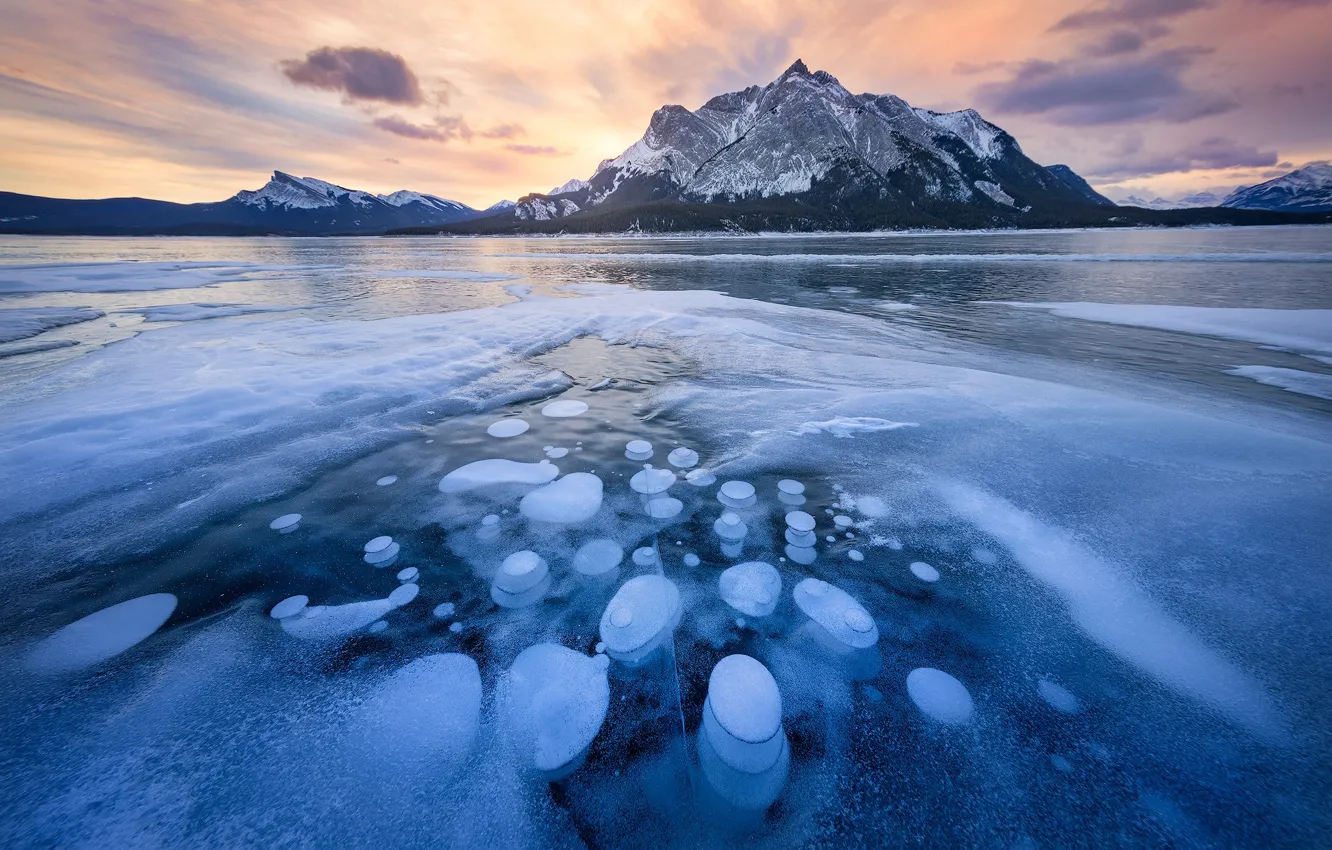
(193, 102)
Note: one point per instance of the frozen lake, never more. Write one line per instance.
(444, 541)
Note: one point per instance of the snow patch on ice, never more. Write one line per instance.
(848, 426)
(1316, 384)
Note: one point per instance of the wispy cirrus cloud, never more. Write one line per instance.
(535, 150)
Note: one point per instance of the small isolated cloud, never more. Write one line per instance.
(969, 68)
(535, 150)
(1209, 154)
(360, 73)
(392, 161)
(1076, 92)
(503, 131)
(1128, 13)
(1117, 43)
(440, 130)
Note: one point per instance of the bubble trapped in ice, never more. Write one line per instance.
(101, 635)
(564, 408)
(751, 588)
(1058, 697)
(639, 617)
(572, 499)
(507, 428)
(742, 747)
(285, 523)
(683, 458)
(736, 494)
(939, 695)
(638, 450)
(555, 700)
(924, 571)
(837, 612)
(598, 557)
(429, 710)
(387, 480)
(482, 473)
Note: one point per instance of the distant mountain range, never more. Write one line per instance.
(801, 153)
(284, 205)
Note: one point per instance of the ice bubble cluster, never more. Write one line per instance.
(481, 473)
(598, 557)
(1058, 697)
(638, 450)
(387, 480)
(751, 588)
(640, 617)
(684, 458)
(325, 622)
(737, 494)
(742, 746)
(504, 428)
(286, 524)
(940, 696)
(800, 537)
(924, 572)
(427, 710)
(791, 492)
(102, 635)
(556, 701)
(564, 408)
(521, 580)
(381, 551)
(837, 612)
(572, 499)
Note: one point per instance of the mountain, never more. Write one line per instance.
(805, 144)
(286, 205)
(1307, 189)
(1198, 200)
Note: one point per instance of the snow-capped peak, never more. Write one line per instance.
(1307, 189)
(984, 139)
(284, 190)
(499, 206)
(574, 185)
(402, 197)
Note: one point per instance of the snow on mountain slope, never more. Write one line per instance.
(402, 197)
(284, 190)
(804, 132)
(1307, 189)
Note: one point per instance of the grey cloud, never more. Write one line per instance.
(1116, 42)
(1080, 93)
(535, 150)
(503, 131)
(360, 73)
(1129, 12)
(440, 130)
(1212, 153)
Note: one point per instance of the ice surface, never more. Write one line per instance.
(848, 426)
(924, 571)
(1316, 384)
(939, 695)
(507, 428)
(556, 701)
(572, 499)
(598, 557)
(564, 408)
(1303, 330)
(752, 588)
(102, 635)
(837, 612)
(23, 322)
(482, 473)
(639, 616)
(429, 709)
(1058, 697)
(206, 310)
(124, 277)
(1115, 613)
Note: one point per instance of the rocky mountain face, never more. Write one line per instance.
(286, 204)
(804, 138)
(1307, 189)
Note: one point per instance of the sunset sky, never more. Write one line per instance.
(191, 101)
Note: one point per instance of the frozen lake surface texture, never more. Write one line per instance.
(984, 540)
